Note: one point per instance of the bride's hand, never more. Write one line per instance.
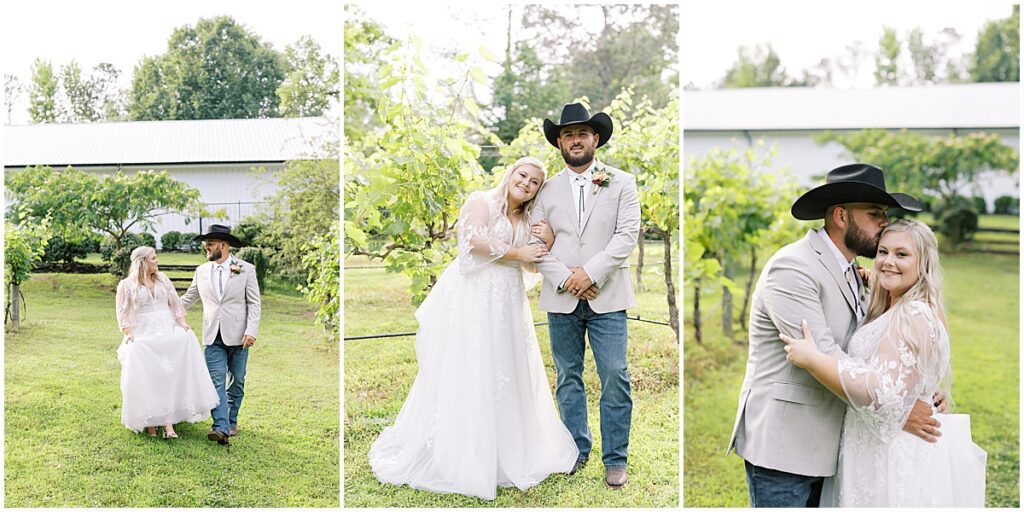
(543, 231)
(128, 337)
(800, 352)
(865, 275)
(532, 253)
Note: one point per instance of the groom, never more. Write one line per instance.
(787, 424)
(230, 295)
(595, 214)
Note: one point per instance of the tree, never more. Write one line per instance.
(365, 47)
(80, 95)
(758, 68)
(24, 245)
(312, 82)
(997, 51)
(78, 203)
(42, 94)
(323, 267)
(215, 70)
(12, 89)
(886, 58)
(112, 101)
(648, 147)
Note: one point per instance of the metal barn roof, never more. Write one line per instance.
(167, 142)
(966, 106)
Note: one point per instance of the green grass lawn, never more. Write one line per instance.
(982, 302)
(165, 258)
(65, 445)
(379, 373)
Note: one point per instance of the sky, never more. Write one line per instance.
(122, 32)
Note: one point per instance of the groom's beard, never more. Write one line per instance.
(215, 255)
(859, 242)
(583, 159)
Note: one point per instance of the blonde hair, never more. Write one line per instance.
(137, 269)
(501, 191)
(928, 288)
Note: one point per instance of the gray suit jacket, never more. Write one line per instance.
(602, 246)
(237, 314)
(786, 420)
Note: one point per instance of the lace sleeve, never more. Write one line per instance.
(123, 306)
(173, 301)
(477, 244)
(882, 389)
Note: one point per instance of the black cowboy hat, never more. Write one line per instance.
(853, 183)
(219, 232)
(576, 113)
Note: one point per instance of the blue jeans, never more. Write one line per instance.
(221, 360)
(607, 333)
(773, 488)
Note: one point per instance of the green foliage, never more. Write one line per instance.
(24, 245)
(172, 241)
(997, 50)
(109, 245)
(887, 70)
(1007, 205)
(304, 207)
(734, 208)
(121, 260)
(980, 205)
(365, 47)
(148, 239)
(62, 250)
(958, 224)
(919, 165)
(323, 286)
(42, 94)
(80, 204)
(526, 88)
(250, 231)
(255, 256)
(312, 82)
(760, 67)
(404, 183)
(216, 69)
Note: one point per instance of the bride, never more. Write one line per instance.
(900, 355)
(164, 379)
(480, 413)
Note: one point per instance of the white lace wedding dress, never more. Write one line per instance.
(163, 372)
(898, 358)
(480, 413)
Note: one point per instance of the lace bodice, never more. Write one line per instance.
(134, 299)
(485, 233)
(898, 358)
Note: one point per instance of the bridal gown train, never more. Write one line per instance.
(900, 357)
(164, 379)
(480, 413)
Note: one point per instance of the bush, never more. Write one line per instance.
(62, 250)
(1006, 205)
(188, 244)
(148, 239)
(171, 241)
(257, 258)
(120, 260)
(958, 224)
(980, 205)
(107, 246)
(250, 232)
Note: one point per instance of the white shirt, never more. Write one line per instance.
(576, 181)
(223, 274)
(849, 268)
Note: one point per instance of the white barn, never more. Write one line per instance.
(232, 162)
(790, 116)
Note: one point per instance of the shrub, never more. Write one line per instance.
(259, 260)
(120, 260)
(980, 205)
(148, 239)
(62, 250)
(250, 232)
(107, 245)
(171, 241)
(1006, 205)
(959, 224)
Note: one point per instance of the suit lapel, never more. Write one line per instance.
(574, 214)
(593, 193)
(231, 276)
(826, 258)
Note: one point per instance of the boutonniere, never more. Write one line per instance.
(601, 178)
(235, 268)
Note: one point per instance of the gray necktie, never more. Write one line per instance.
(220, 282)
(581, 183)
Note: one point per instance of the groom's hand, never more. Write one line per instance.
(248, 341)
(922, 424)
(578, 282)
(590, 293)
